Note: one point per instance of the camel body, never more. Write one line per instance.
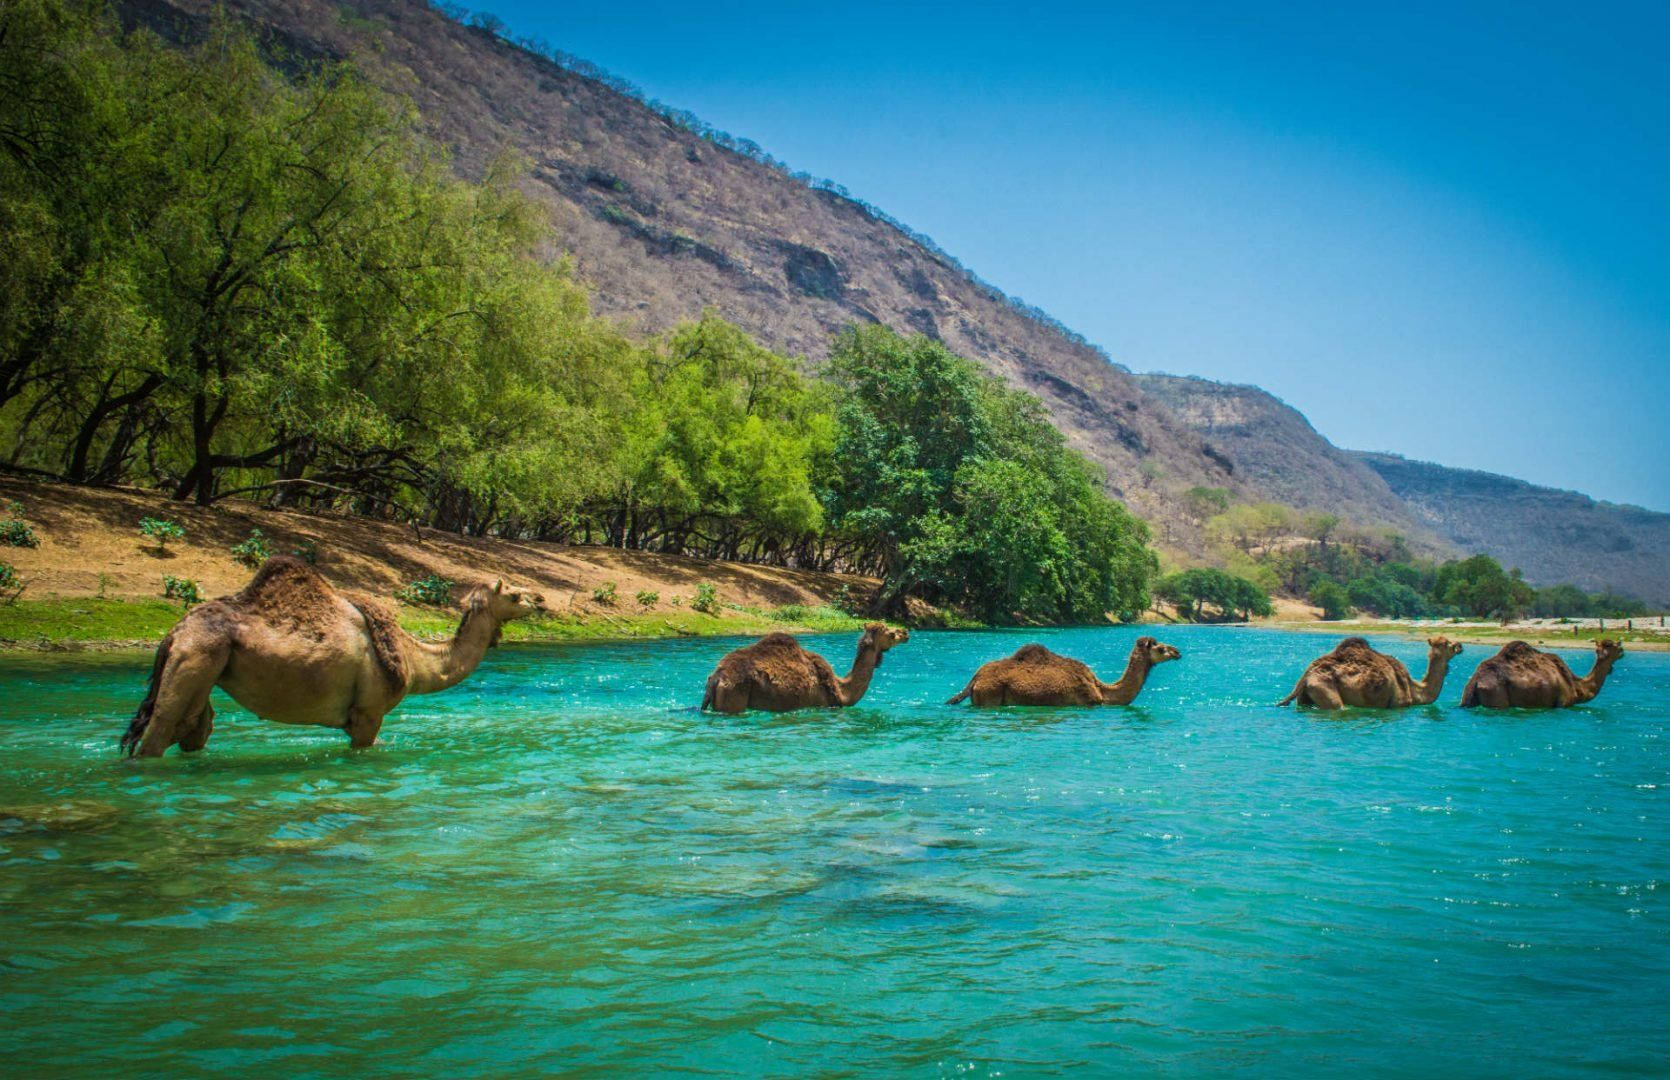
(1520, 677)
(291, 649)
(1355, 674)
(1036, 676)
(778, 674)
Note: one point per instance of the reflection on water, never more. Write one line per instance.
(561, 865)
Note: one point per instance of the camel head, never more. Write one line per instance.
(1156, 652)
(1607, 649)
(504, 603)
(881, 637)
(1443, 646)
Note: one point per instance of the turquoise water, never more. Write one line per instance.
(562, 866)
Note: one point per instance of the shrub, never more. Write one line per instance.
(10, 584)
(434, 591)
(16, 531)
(604, 593)
(707, 599)
(1332, 599)
(161, 530)
(181, 589)
(254, 551)
(648, 598)
(307, 551)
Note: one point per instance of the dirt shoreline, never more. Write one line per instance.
(1540, 634)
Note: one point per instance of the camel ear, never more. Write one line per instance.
(498, 586)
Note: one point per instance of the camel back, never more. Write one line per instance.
(774, 653)
(288, 592)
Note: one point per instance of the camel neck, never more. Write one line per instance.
(1589, 685)
(1129, 685)
(441, 665)
(858, 679)
(1437, 666)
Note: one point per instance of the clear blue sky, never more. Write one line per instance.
(1441, 230)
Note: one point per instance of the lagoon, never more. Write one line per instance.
(561, 865)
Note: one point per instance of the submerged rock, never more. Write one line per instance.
(74, 815)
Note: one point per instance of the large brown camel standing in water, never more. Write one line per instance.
(1354, 674)
(1036, 676)
(777, 674)
(1520, 677)
(292, 649)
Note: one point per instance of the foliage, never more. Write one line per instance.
(1191, 591)
(648, 598)
(254, 550)
(957, 490)
(604, 593)
(182, 589)
(431, 591)
(1334, 601)
(1478, 586)
(307, 551)
(10, 583)
(706, 599)
(161, 530)
(15, 531)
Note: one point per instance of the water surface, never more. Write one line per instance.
(561, 865)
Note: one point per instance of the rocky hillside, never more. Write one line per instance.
(1551, 535)
(1277, 453)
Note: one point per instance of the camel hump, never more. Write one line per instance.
(1033, 654)
(1517, 650)
(1353, 644)
(287, 590)
(383, 628)
(777, 640)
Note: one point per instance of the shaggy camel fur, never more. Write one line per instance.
(777, 674)
(1036, 676)
(1354, 674)
(1520, 677)
(292, 649)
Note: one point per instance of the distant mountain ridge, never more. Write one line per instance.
(662, 224)
(1551, 535)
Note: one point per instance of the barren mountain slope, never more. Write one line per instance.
(1277, 453)
(662, 224)
(1551, 535)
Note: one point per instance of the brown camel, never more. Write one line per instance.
(292, 649)
(777, 674)
(1036, 676)
(1354, 674)
(1520, 677)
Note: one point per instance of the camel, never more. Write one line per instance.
(1520, 677)
(777, 674)
(1354, 674)
(1036, 676)
(290, 648)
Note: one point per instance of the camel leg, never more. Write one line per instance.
(362, 728)
(1322, 696)
(198, 736)
(182, 699)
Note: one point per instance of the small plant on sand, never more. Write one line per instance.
(307, 551)
(676, 601)
(182, 589)
(648, 598)
(254, 551)
(604, 593)
(707, 599)
(16, 531)
(105, 581)
(432, 591)
(161, 530)
(11, 586)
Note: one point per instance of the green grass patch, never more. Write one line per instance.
(87, 620)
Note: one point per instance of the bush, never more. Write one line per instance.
(1334, 601)
(16, 531)
(1192, 590)
(707, 599)
(161, 530)
(307, 551)
(604, 593)
(10, 583)
(433, 591)
(648, 598)
(254, 551)
(181, 589)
